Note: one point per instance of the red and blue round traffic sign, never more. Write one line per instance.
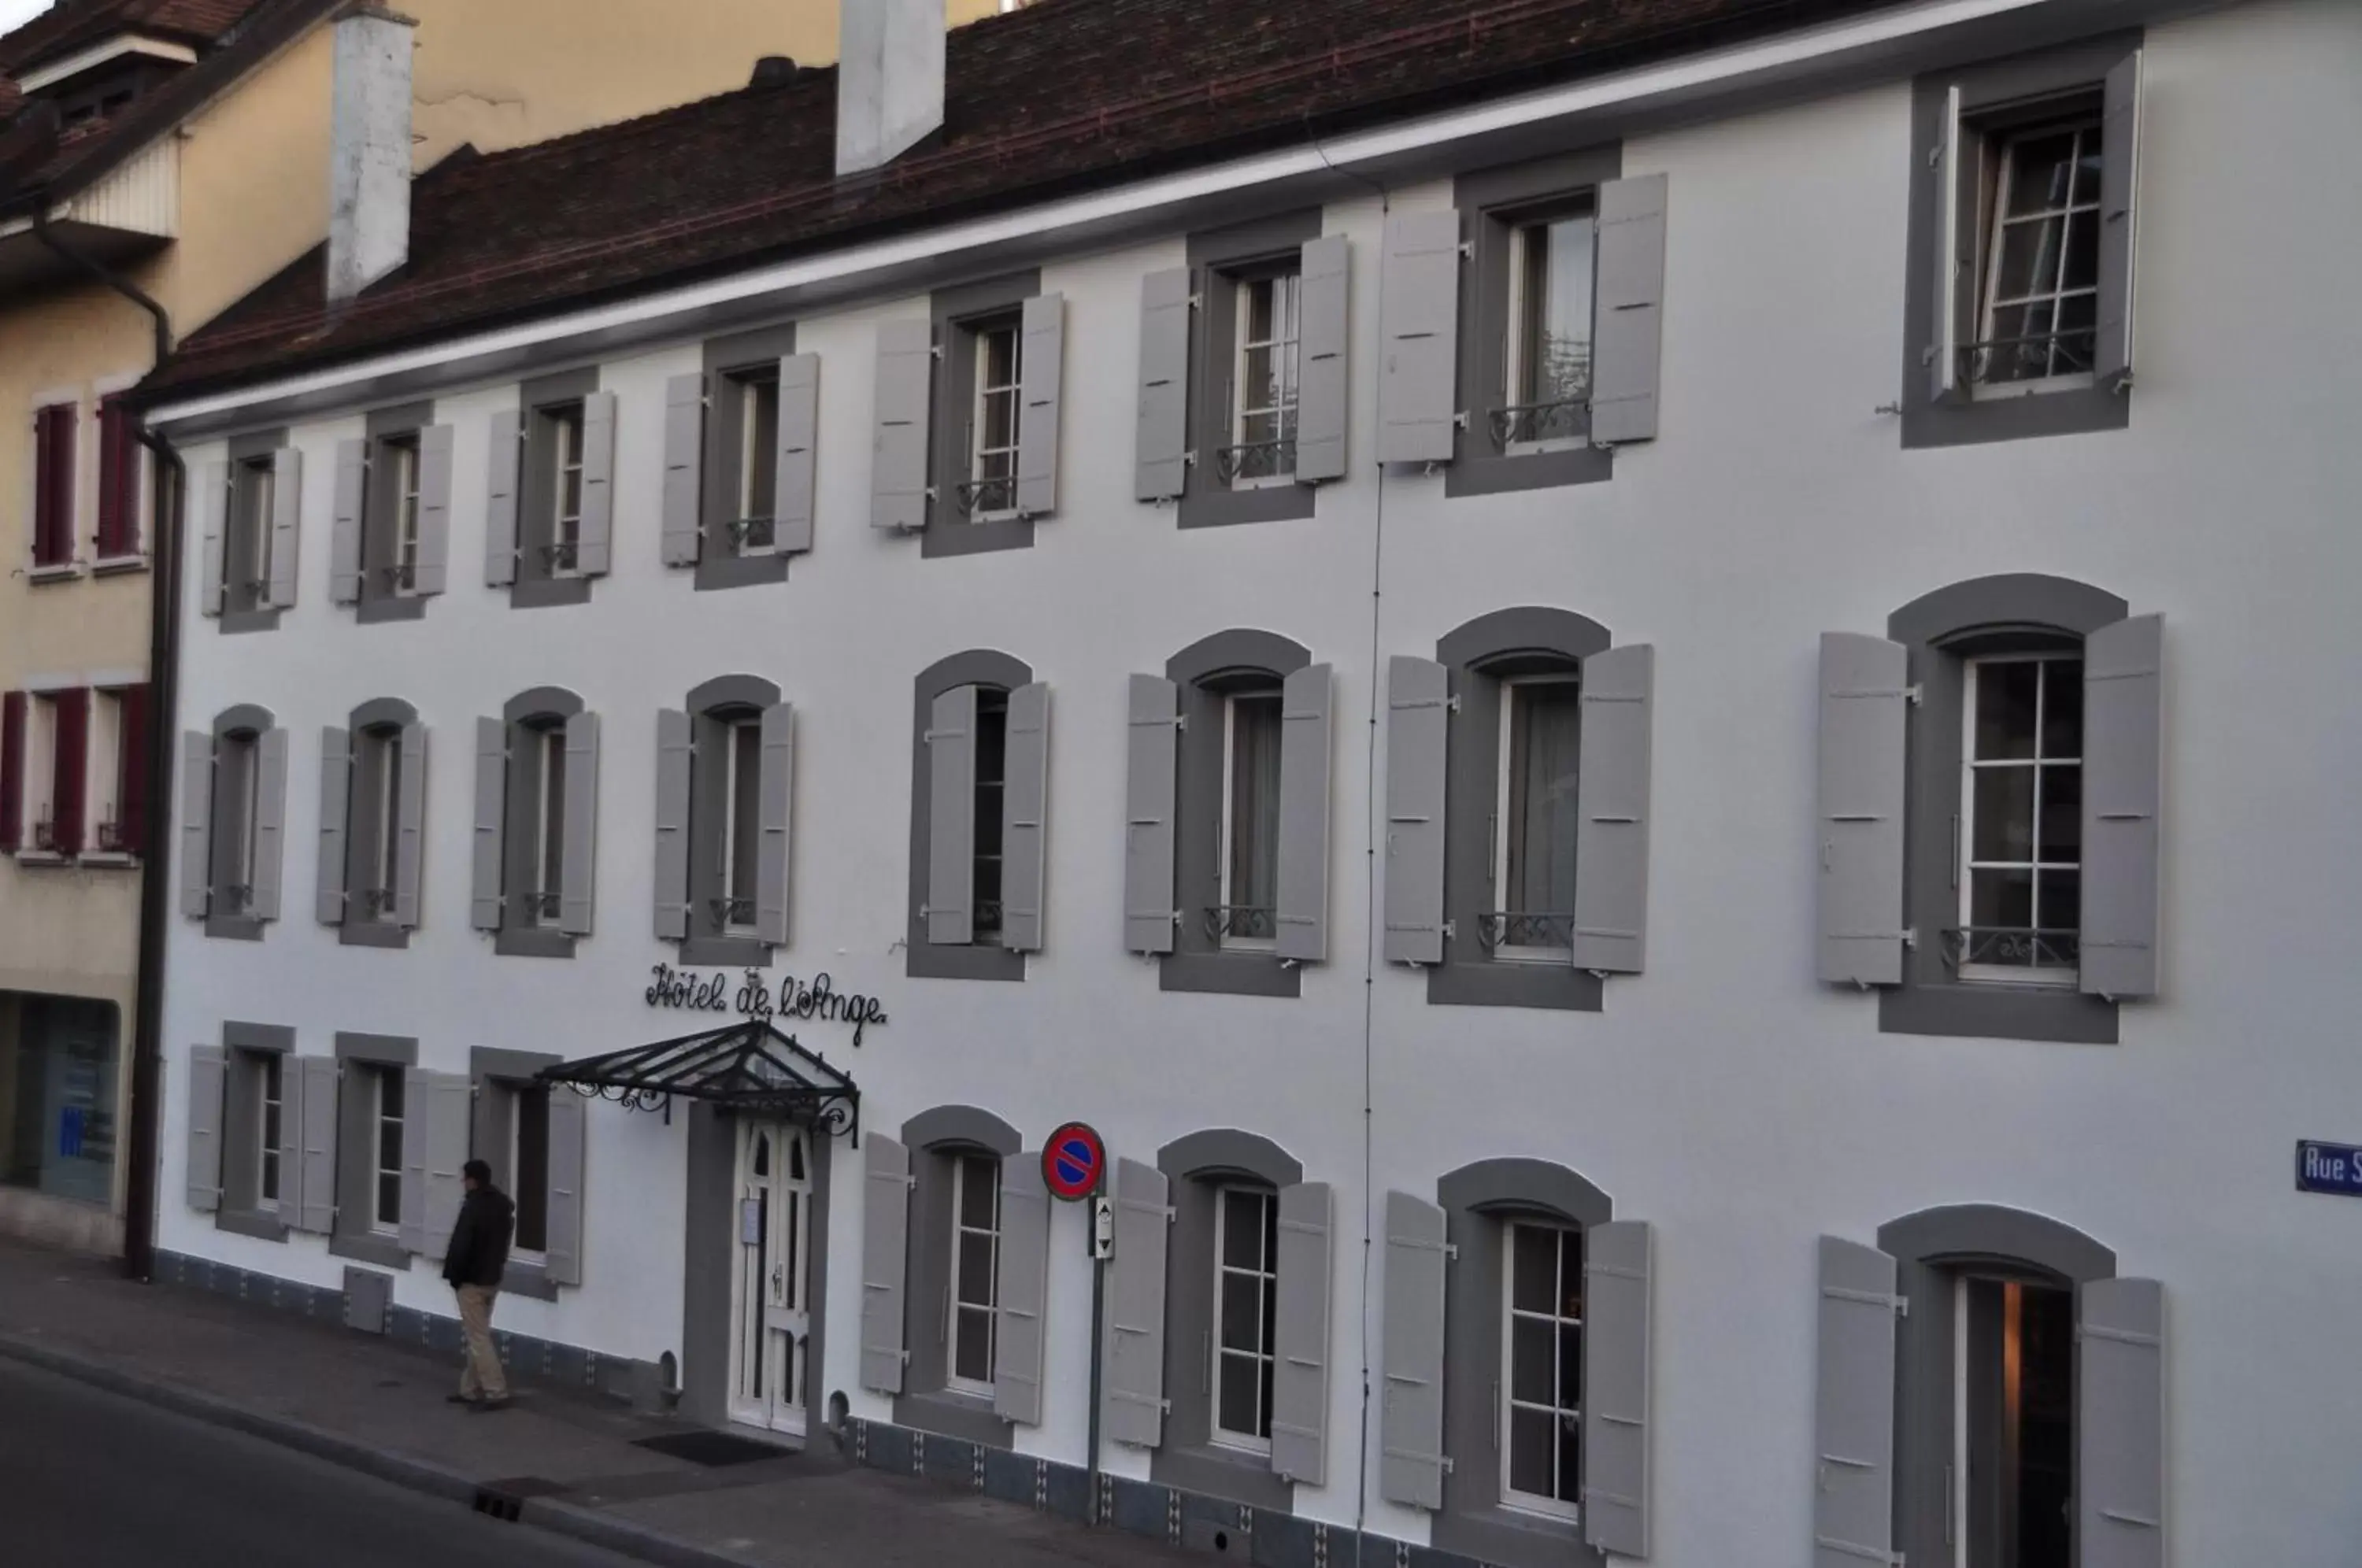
(1074, 1161)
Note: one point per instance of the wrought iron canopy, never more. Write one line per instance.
(747, 1066)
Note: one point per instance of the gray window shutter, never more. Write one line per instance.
(1304, 748)
(1131, 1408)
(673, 749)
(898, 473)
(1853, 1501)
(1025, 818)
(796, 473)
(1022, 1289)
(950, 818)
(449, 1124)
(1616, 1269)
(433, 509)
(2122, 764)
(1611, 836)
(2119, 1467)
(885, 1255)
(215, 511)
(1042, 371)
(1627, 334)
(1299, 1388)
(684, 458)
(1161, 439)
(1321, 366)
(270, 822)
(491, 806)
(417, 1133)
(410, 844)
(568, 1116)
(336, 800)
(1864, 709)
(345, 523)
(196, 823)
(2120, 133)
(294, 1105)
(1153, 771)
(775, 788)
(505, 460)
(317, 1171)
(1419, 699)
(578, 875)
(208, 1072)
(1410, 1418)
(1943, 353)
(286, 525)
(1419, 331)
(596, 553)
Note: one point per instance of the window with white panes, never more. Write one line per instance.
(1534, 818)
(1264, 382)
(40, 773)
(380, 751)
(1548, 403)
(103, 793)
(254, 487)
(528, 1168)
(1542, 1369)
(274, 1108)
(549, 820)
(1246, 1308)
(2022, 819)
(741, 834)
(401, 494)
(566, 516)
(386, 1084)
(2039, 303)
(976, 1259)
(991, 488)
(1249, 913)
(758, 460)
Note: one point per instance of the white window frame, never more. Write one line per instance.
(1965, 863)
(1997, 145)
(515, 1134)
(379, 1076)
(980, 455)
(1265, 1357)
(404, 492)
(39, 781)
(1511, 1498)
(1520, 953)
(1287, 345)
(566, 455)
(102, 788)
(259, 495)
(270, 1096)
(548, 820)
(758, 503)
(964, 1236)
(1231, 701)
(740, 731)
(246, 811)
(385, 832)
(1520, 347)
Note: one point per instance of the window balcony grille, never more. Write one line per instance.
(1241, 922)
(1498, 929)
(2033, 949)
(1565, 419)
(1254, 462)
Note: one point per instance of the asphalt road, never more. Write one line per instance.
(89, 1479)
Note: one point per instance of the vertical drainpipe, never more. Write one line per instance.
(163, 673)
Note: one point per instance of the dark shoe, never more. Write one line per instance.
(486, 1407)
(462, 1399)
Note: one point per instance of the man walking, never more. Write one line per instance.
(478, 1256)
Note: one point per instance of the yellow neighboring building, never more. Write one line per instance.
(179, 151)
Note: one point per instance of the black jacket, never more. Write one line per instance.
(478, 1253)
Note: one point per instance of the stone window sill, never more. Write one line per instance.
(112, 566)
(56, 571)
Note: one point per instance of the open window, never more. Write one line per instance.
(978, 805)
(531, 1134)
(536, 814)
(44, 757)
(739, 459)
(373, 810)
(233, 822)
(253, 526)
(391, 542)
(725, 785)
(550, 518)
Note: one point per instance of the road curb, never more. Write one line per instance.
(412, 1474)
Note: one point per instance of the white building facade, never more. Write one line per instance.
(1672, 859)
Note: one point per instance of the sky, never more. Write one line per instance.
(13, 12)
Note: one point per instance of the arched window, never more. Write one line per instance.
(979, 795)
(372, 846)
(536, 824)
(724, 779)
(233, 822)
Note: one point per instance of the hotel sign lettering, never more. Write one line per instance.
(754, 997)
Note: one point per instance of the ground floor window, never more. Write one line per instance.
(529, 1168)
(1541, 1374)
(1246, 1303)
(975, 1255)
(2013, 1423)
(58, 1095)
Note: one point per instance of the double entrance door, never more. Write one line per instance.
(771, 1310)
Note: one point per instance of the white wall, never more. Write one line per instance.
(1723, 1095)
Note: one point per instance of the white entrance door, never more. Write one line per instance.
(771, 1281)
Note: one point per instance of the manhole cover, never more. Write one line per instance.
(715, 1449)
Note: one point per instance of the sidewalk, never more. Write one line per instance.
(559, 1463)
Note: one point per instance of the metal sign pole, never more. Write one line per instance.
(1099, 1338)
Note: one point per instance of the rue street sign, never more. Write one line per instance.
(1074, 1161)
(2329, 1167)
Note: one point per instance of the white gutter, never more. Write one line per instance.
(73, 65)
(1720, 70)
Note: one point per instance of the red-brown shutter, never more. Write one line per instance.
(73, 764)
(131, 815)
(53, 485)
(12, 772)
(118, 479)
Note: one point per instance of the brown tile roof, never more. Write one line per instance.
(70, 25)
(1061, 95)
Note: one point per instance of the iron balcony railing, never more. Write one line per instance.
(399, 577)
(729, 912)
(986, 495)
(2000, 361)
(1252, 460)
(1530, 424)
(563, 555)
(541, 905)
(377, 902)
(45, 835)
(1241, 922)
(749, 534)
(112, 840)
(1498, 929)
(2013, 947)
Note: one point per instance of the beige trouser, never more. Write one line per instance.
(481, 1375)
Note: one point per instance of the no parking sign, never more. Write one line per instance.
(1074, 1161)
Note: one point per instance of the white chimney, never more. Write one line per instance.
(370, 154)
(889, 80)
